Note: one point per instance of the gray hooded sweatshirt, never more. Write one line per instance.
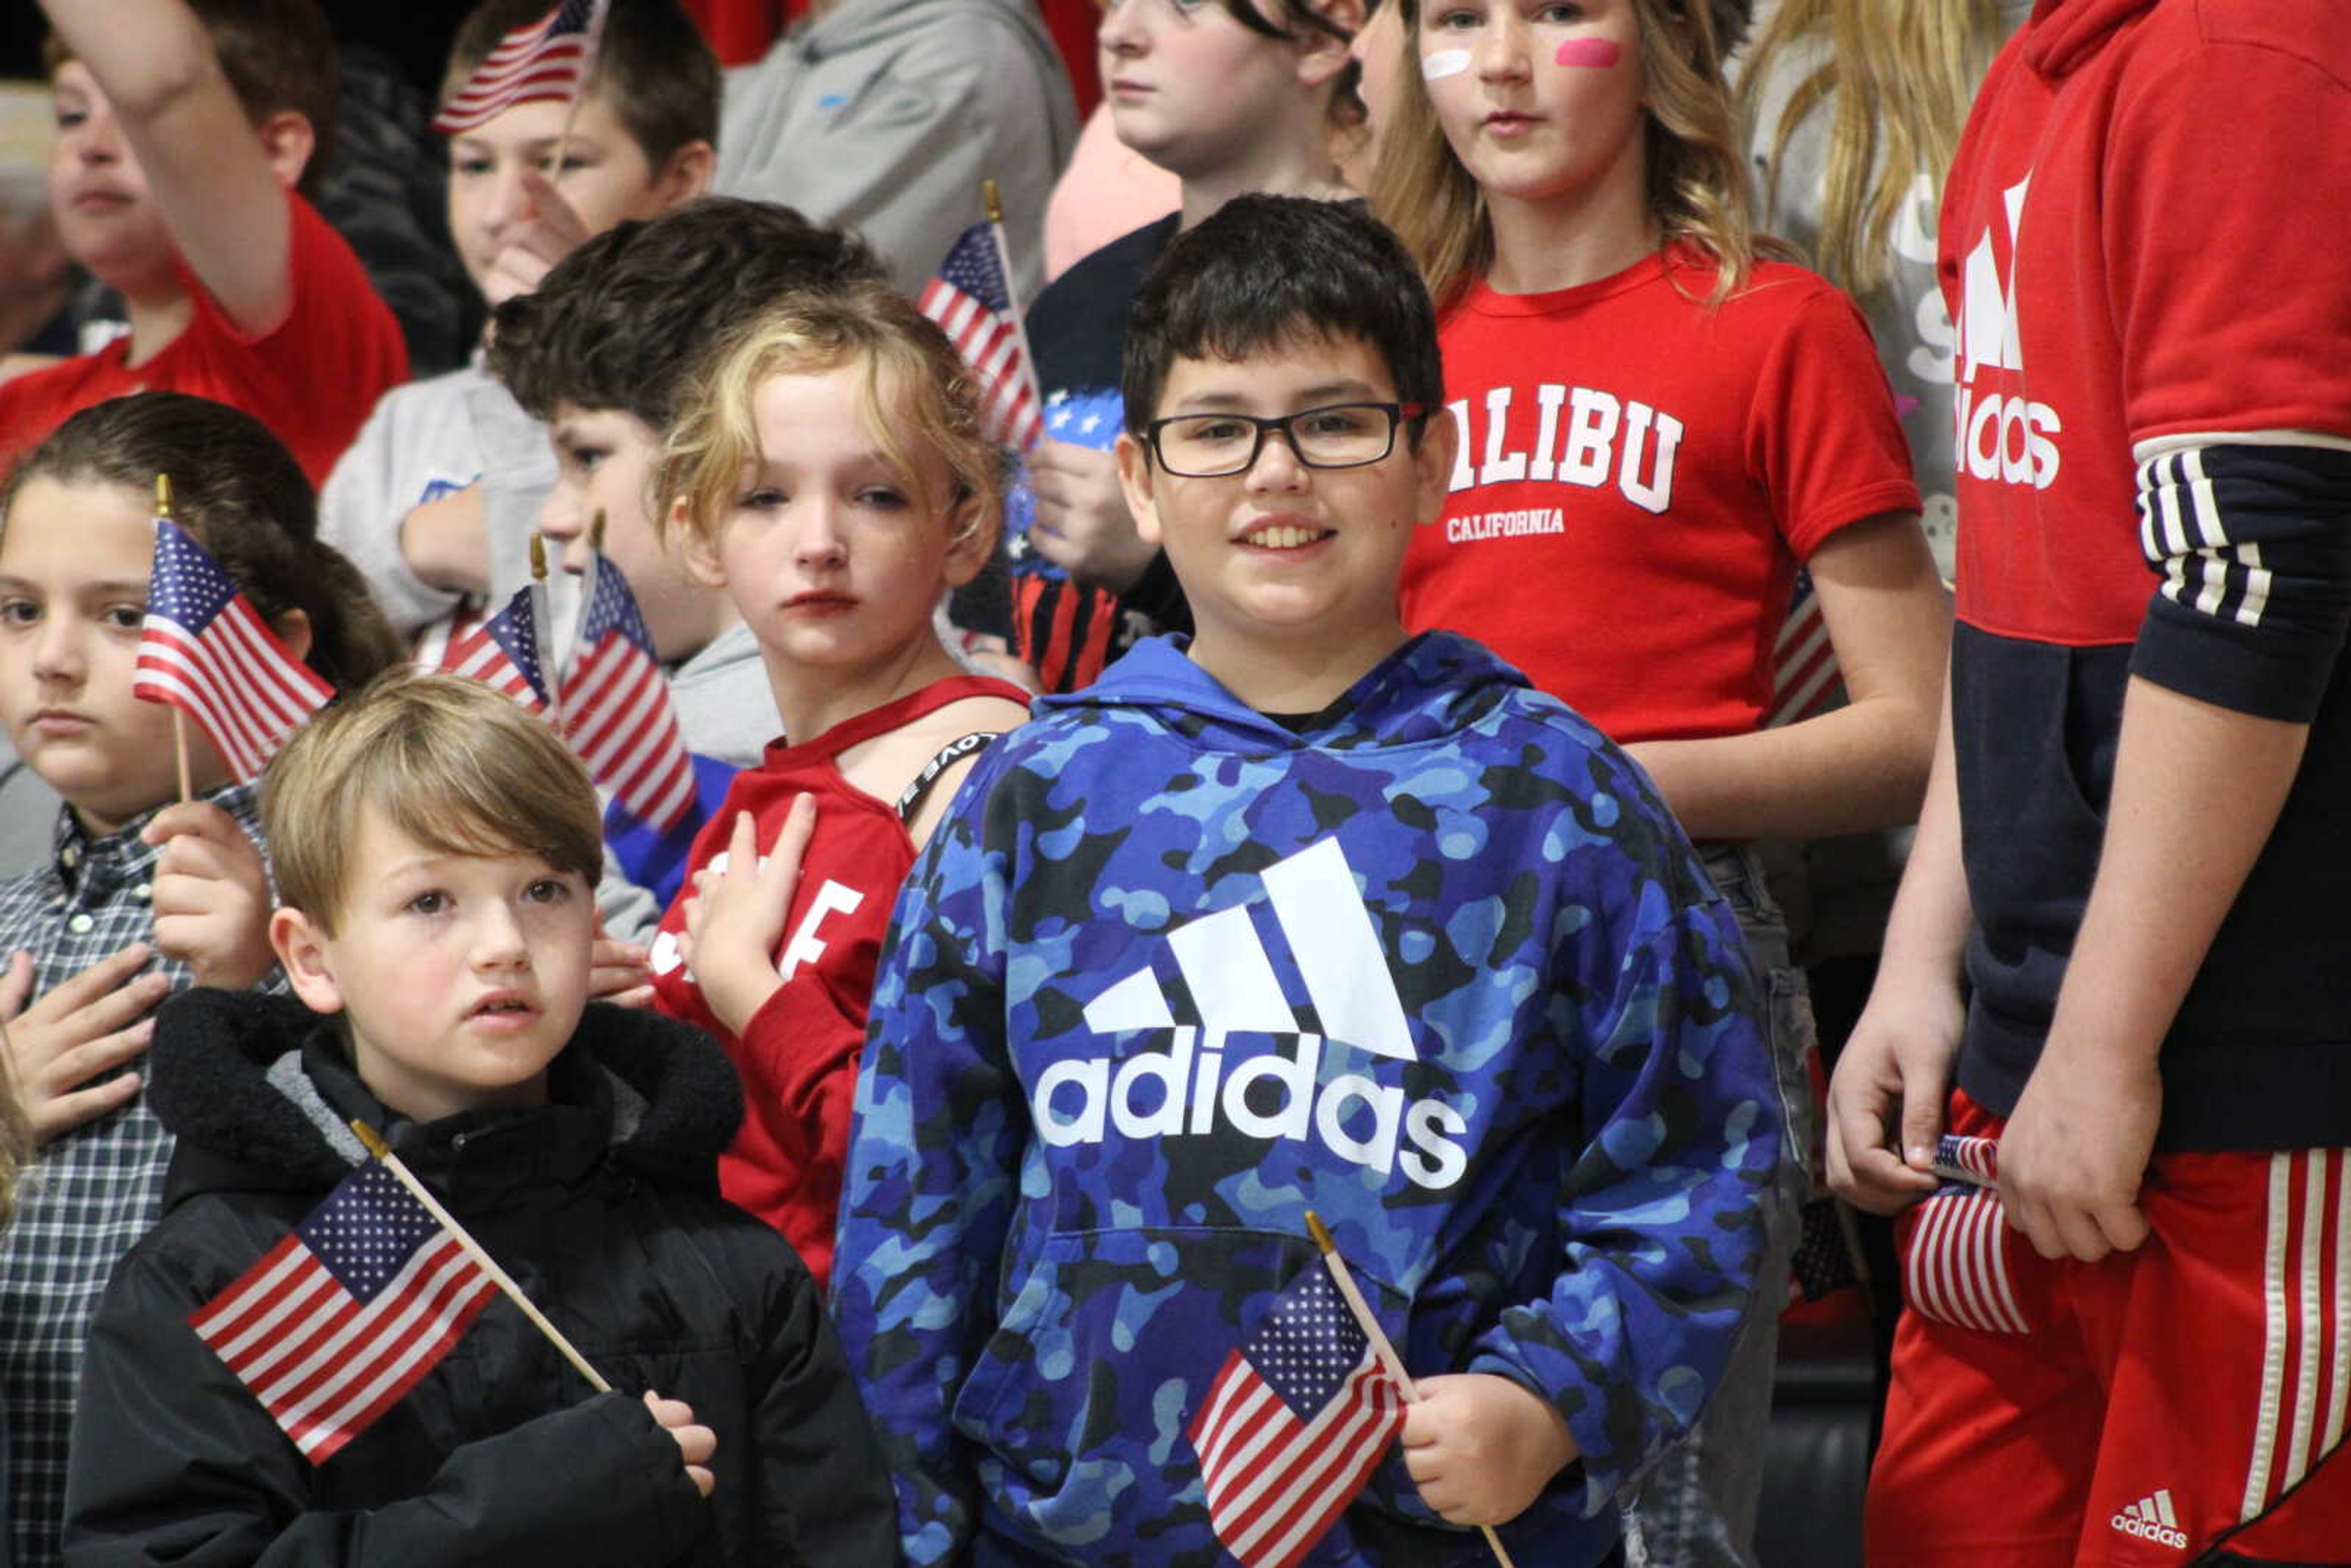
(886, 115)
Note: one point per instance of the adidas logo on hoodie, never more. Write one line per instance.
(1188, 1089)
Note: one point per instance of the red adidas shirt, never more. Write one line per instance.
(2160, 305)
(312, 381)
(1640, 473)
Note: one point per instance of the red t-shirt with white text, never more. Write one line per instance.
(1639, 477)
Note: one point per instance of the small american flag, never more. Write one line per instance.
(341, 1317)
(1296, 1421)
(1975, 1161)
(1956, 1267)
(502, 653)
(617, 710)
(548, 59)
(971, 299)
(204, 650)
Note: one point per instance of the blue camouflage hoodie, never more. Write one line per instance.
(1441, 967)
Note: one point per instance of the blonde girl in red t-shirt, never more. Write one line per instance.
(1658, 429)
(830, 472)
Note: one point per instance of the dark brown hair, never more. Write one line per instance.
(1296, 16)
(239, 494)
(622, 323)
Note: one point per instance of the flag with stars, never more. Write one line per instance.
(203, 649)
(548, 59)
(1296, 1421)
(971, 299)
(1975, 1161)
(502, 653)
(617, 710)
(341, 1317)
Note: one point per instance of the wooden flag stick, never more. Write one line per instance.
(994, 201)
(178, 719)
(407, 1178)
(1345, 1279)
(542, 634)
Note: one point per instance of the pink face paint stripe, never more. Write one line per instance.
(1598, 53)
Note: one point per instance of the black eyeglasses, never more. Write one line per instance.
(1337, 435)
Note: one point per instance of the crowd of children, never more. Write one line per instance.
(1331, 1080)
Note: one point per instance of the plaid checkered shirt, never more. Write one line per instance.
(93, 1191)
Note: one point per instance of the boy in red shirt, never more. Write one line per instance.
(2134, 846)
(171, 180)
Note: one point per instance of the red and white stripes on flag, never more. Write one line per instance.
(341, 1317)
(503, 652)
(1973, 1160)
(203, 650)
(618, 713)
(549, 59)
(1956, 1270)
(1295, 1422)
(2305, 1395)
(1804, 677)
(971, 299)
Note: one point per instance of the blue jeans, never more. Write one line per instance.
(1696, 1507)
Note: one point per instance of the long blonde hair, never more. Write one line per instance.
(1694, 154)
(1897, 79)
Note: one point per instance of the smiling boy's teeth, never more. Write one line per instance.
(1282, 537)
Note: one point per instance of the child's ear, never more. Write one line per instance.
(1321, 57)
(302, 954)
(701, 556)
(969, 544)
(1135, 477)
(1433, 463)
(292, 629)
(687, 173)
(289, 138)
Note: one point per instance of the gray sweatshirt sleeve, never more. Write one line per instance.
(518, 471)
(419, 442)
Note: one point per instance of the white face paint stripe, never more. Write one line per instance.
(1444, 63)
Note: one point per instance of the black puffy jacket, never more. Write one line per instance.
(602, 1205)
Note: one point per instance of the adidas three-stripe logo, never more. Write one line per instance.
(2151, 1518)
(1230, 988)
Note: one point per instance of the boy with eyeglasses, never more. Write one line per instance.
(1301, 915)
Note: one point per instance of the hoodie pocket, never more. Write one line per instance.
(1081, 1398)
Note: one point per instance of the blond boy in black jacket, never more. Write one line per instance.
(436, 852)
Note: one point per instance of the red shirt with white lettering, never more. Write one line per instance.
(311, 379)
(1640, 474)
(798, 1056)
